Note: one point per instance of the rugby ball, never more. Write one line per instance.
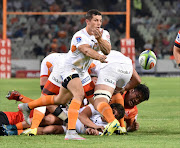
(147, 59)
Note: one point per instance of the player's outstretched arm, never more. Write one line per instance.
(176, 53)
(88, 51)
(84, 117)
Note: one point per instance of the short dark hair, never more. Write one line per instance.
(120, 110)
(142, 88)
(92, 12)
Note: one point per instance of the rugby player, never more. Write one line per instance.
(84, 46)
(176, 49)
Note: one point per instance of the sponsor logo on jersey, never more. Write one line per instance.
(122, 71)
(86, 79)
(108, 36)
(78, 39)
(127, 113)
(110, 81)
(178, 38)
(55, 79)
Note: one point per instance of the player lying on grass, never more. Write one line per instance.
(97, 122)
(15, 124)
(131, 98)
(136, 95)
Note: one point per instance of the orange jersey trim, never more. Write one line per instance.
(89, 90)
(73, 48)
(49, 66)
(50, 89)
(44, 76)
(90, 67)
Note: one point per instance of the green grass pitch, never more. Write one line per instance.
(159, 119)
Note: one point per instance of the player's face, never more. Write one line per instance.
(95, 22)
(132, 98)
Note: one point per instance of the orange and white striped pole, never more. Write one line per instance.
(5, 48)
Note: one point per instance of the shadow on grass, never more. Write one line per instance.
(159, 132)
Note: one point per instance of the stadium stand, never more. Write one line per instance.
(154, 24)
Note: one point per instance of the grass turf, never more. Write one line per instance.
(159, 119)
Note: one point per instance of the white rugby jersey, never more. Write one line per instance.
(177, 40)
(112, 57)
(48, 63)
(96, 117)
(76, 58)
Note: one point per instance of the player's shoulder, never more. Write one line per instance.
(105, 31)
(81, 32)
(51, 57)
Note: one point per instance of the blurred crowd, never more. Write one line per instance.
(37, 35)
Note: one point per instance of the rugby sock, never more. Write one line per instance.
(105, 110)
(121, 121)
(37, 118)
(42, 101)
(19, 132)
(73, 113)
(25, 99)
(19, 126)
(61, 114)
(117, 98)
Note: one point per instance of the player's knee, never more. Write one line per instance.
(104, 94)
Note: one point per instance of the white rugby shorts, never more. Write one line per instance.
(115, 74)
(60, 73)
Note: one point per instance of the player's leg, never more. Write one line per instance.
(102, 96)
(117, 98)
(75, 87)
(15, 95)
(104, 89)
(51, 129)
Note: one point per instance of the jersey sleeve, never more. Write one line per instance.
(177, 40)
(94, 67)
(80, 39)
(131, 113)
(44, 69)
(106, 36)
(94, 112)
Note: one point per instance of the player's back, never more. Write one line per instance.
(116, 56)
(112, 57)
(48, 63)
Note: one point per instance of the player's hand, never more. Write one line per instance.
(133, 127)
(99, 128)
(97, 33)
(91, 131)
(102, 58)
